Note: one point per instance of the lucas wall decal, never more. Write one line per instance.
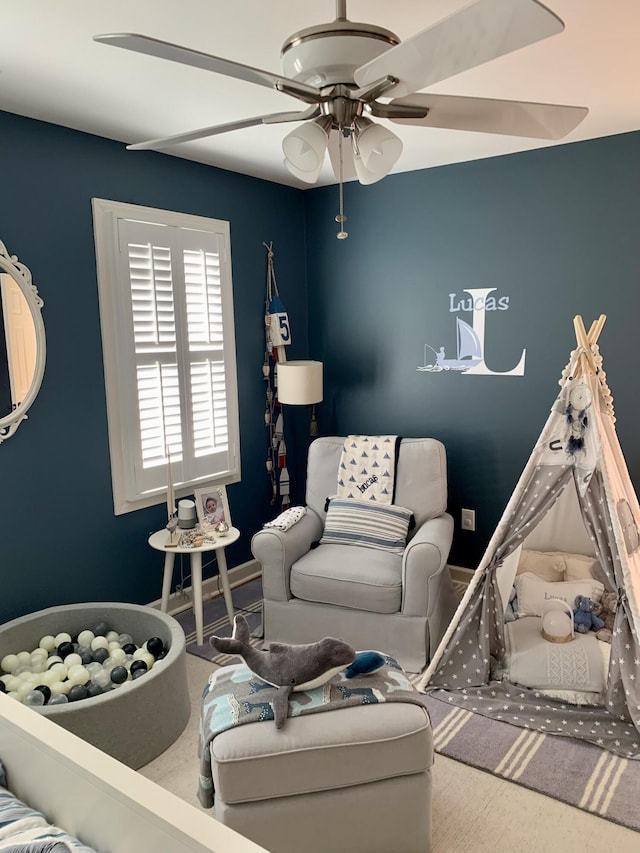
(470, 337)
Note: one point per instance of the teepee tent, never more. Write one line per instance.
(574, 501)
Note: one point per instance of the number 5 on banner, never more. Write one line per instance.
(280, 331)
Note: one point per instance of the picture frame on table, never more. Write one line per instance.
(212, 507)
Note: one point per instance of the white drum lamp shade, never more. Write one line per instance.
(300, 382)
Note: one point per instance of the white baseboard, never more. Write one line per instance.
(183, 600)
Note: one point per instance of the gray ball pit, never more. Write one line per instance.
(133, 723)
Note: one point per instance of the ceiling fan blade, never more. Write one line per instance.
(348, 168)
(176, 53)
(486, 115)
(475, 34)
(216, 129)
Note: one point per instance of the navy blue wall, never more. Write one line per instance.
(555, 230)
(60, 541)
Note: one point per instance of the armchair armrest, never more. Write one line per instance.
(277, 550)
(424, 559)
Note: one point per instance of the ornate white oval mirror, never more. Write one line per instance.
(22, 342)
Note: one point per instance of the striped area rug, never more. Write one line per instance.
(568, 770)
(572, 772)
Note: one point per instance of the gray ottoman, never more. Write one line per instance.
(353, 779)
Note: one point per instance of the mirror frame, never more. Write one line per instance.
(22, 275)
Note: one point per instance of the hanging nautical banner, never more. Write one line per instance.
(277, 336)
(470, 337)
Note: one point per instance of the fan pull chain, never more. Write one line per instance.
(341, 218)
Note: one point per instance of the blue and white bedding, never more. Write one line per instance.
(25, 830)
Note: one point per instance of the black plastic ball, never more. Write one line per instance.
(45, 690)
(129, 648)
(138, 664)
(3, 688)
(77, 692)
(100, 655)
(65, 649)
(155, 646)
(87, 657)
(101, 629)
(162, 655)
(138, 673)
(119, 674)
(94, 689)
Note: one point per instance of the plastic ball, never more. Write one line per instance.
(48, 643)
(138, 673)
(59, 688)
(54, 659)
(86, 637)
(94, 689)
(100, 629)
(46, 691)
(34, 699)
(99, 642)
(125, 639)
(63, 637)
(77, 692)
(138, 665)
(58, 672)
(24, 658)
(112, 636)
(78, 675)
(59, 699)
(119, 674)
(102, 678)
(155, 646)
(9, 663)
(72, 660)
(3, 688)
(129, 648)
(86, 658)
(65, 648)
(118, 655)
(100, 655)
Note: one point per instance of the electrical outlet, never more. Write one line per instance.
(468, 519)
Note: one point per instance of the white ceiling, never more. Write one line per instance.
(50, 69)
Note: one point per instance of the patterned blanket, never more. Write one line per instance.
(234, 695)
(367, 469)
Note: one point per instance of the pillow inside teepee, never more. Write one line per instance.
(546, 565)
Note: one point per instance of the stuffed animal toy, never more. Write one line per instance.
(584, 617)
(606, 610)
(295, 667)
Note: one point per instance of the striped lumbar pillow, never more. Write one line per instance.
(353, 522)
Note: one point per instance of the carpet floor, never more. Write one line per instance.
(567, 770)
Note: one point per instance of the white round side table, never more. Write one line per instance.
(160, 540)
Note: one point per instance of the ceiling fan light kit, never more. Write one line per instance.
(340, 70)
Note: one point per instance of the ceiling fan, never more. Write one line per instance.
(341, 69)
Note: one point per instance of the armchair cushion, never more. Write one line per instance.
(355, 577)
(371, 525)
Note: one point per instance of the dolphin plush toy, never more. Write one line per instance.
(287, 667)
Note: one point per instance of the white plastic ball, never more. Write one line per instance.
(52, 660)
(99, 643)
(78, 675)
(147, 657)
(48, 643)
(9, 663)
(112, 636)
(86, 637)
(72, 660)
(24, 658)
(117, 655)
(59, 688)
(62, 637)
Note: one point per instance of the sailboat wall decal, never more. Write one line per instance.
(469, 351)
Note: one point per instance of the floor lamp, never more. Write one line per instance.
(300, 384)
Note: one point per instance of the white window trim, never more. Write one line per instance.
(106, 215)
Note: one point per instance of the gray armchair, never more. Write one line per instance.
(373, 599)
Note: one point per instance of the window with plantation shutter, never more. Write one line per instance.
(169, 352)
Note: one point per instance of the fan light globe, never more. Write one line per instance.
(304, 149)
(378, 148)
